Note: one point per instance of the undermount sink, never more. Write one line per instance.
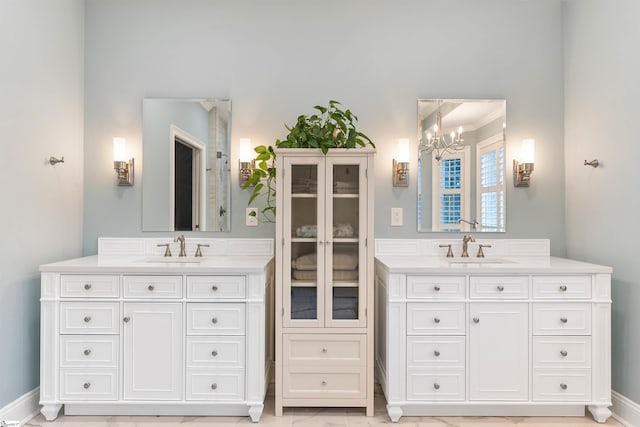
(480, 261)
(175, 260)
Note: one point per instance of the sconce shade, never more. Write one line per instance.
(400, 171)
(528, 151)
(403, 150)
(522, 169)
(246, 152)
(122, 165)
(119, 149)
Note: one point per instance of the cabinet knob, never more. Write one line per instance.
(214, 320)
(214, 353)
(126, 319)
(500, 288)
(563, 353)
(87, 319)
(436, 288)
(214, 288)
(214, 386)
(476, 320)
(151, 287)
(436, 386)
(436, 353)
(563, 319)
(563, 288)
(324, 382)
(324, 350)
(436, 320)
(87, 352)
(86, 385)
(87, 286)
(563, 386)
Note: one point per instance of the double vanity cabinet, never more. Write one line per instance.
(129, 332)
(517, 333)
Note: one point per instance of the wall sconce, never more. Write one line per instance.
(122, 165)
(522, 170)
(246, 160)
(401, 164)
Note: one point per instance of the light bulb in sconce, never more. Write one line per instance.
(401, 164)
(122, 165)
(522, 169)
(245, 160)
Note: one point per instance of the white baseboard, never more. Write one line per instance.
(625, 410)
(23, 408)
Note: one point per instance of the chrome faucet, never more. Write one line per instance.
(180, 239)
(465, 243)
(473, 224)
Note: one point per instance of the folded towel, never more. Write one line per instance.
(307, 231)
(337, 274)
(339, 230)
(341, 261)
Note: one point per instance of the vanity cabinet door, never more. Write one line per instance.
(498, 351)
(153, 351)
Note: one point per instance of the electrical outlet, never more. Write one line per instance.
(396, 217)
(252, 217)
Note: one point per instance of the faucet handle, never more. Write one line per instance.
(198, 251)
(449, 252)
(167, 251)
(480, 252)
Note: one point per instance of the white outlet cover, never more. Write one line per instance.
(396, 217)
(252, 217)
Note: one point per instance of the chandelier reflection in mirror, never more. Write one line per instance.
(437, 143)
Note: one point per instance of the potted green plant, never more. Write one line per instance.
(331, 127)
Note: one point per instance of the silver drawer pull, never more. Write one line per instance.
(87, 286)
(324, 382)
(151, 287)
(563, 386)
(436, 353)
(87, 352)
(563, 319)
(500, 288)
(87, 319)
(214, 320)
(214, 353)
(436, 288)
(126, 319)
(563, 288)
(563, 353)
(214, 288)
(86, 385)
(324, 350)
(214, 386)
(476, 320)
(436, 386)
(436, 320)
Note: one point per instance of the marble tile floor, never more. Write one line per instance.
(317, 417)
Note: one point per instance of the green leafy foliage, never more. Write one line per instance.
(330, 127)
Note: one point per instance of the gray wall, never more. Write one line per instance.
(41, 87)
(277, 59)
(601, 110)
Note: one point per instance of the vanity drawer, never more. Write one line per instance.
(207, 351)
(435, 352)
(215, 319)
(562, 385)
(436, 287)
(215, 287)
(317, 352)
(89, 350)
(562, 319)
(561, 287)
(324, 385)
(152, 287)
(89, 317)
(435, 319)
(508, 287)
(95, 384)
(562, 352)
(89, 286)
(441, 384)
(224, 385)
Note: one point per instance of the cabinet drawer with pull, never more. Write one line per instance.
(89, 318)
(207, 351)
(435, 319)
(224, 385)
(327, 384)
(95, 384)
(561, 287)
(215, 319)
(562, 385)
(562, 352)
(515, 287)
(89, 350)
(436, 287)
(435, 352)
(152, 287)
(562, 319)
(435, 385)
(89, 286)
(201, 287)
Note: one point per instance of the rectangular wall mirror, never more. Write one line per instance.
(461, 165)
(185, 179)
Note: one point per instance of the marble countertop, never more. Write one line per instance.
(503, 265)
(120, 264)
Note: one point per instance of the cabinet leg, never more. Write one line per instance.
(255, 412)
(600, 412)
(395, 412)
(50, 412)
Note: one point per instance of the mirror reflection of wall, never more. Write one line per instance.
(461, 165)
(186, 180)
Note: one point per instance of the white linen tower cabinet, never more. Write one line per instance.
(324, 278)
